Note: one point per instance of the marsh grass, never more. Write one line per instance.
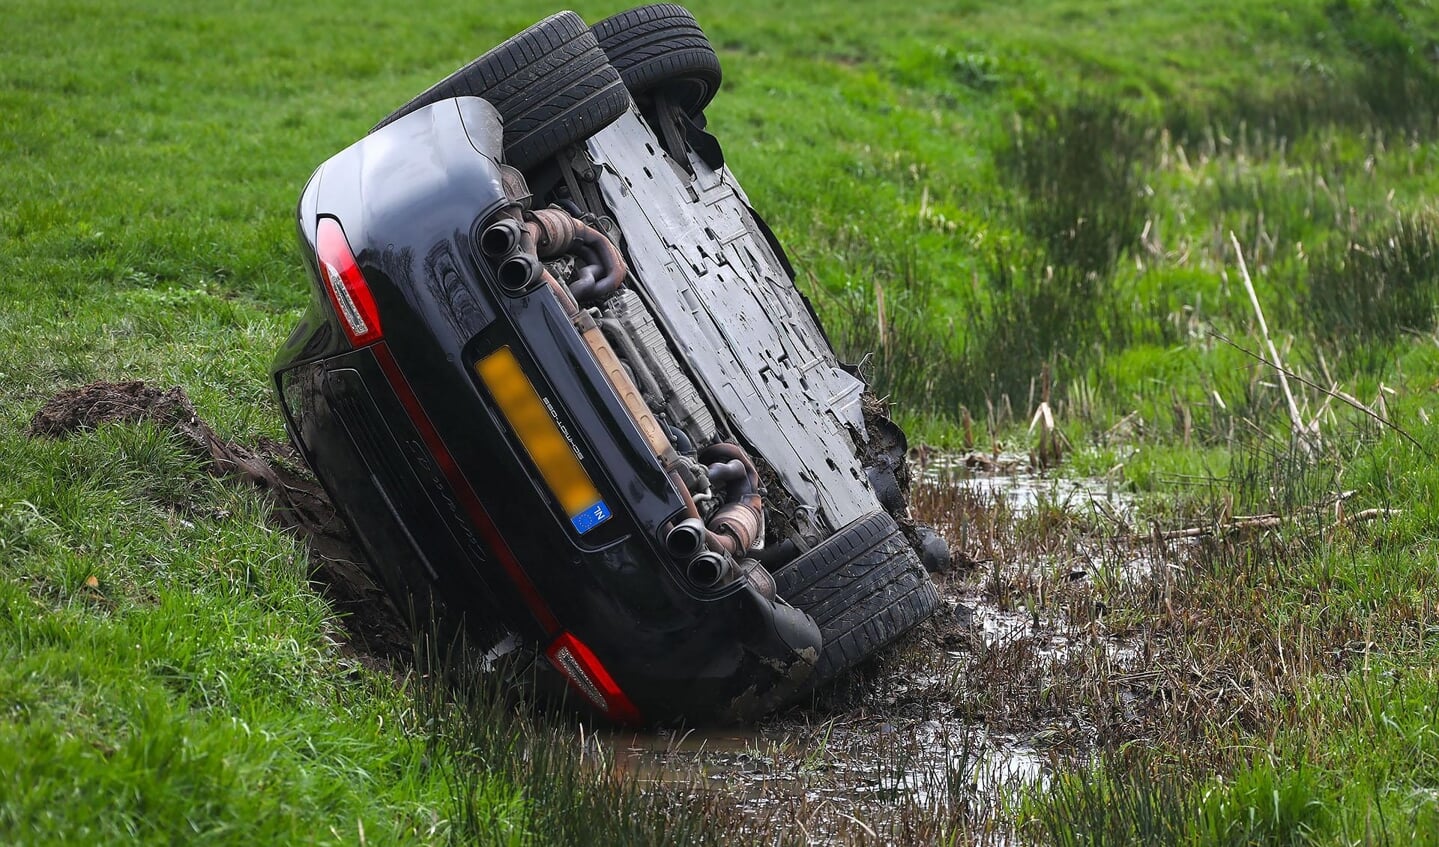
(1079, 167)
(1115, 803)
(1119, 801)
(889, 330)
(1039, 318)
(524, 770)
(1273, 619)
(1378, 285)
(1154, 659)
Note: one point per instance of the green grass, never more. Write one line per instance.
(1039, 193)
(167, 674)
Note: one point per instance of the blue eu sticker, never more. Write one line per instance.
(591, 517)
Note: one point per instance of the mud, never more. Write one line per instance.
(1014, 679)
(375, 630)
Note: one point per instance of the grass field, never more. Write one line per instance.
(1004, 204)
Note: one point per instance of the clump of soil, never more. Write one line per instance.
(375, 627)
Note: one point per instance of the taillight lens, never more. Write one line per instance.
(349, 293)
(573, 659)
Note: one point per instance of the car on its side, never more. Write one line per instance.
(558, 379)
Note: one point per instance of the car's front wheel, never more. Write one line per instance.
(661, 48)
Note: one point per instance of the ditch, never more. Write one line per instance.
(1020, 675)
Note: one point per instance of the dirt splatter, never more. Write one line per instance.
(376, 630)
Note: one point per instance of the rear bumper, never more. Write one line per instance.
(507, 563)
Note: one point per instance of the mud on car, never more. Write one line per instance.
(558, 379)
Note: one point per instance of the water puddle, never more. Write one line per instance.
(1009, 478)
(852, 768)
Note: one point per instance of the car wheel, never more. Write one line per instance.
(661, 48)
(864, 587)
(552, 85)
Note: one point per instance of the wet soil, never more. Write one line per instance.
(995, 693)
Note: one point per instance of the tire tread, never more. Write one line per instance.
(661, 47)
(865, 587)
(551, 84)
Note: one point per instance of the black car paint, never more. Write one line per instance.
(410, 198)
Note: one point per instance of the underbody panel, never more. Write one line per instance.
(728, 305)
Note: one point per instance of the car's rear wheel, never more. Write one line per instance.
(864, 587)
(552, 85)
(661, 48)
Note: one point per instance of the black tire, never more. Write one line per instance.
(551, 84)
(864, 586)
(661, 47)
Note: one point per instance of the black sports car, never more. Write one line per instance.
(557, 377)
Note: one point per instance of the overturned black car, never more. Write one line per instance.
(557, 377)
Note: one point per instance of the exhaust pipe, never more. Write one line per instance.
(518, 271)
(610, 263)
(708, 570)
(686, 540)
(555, 232)
(739, 523)
(500, 239)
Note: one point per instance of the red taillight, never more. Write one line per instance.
(573, 659)
(349, 293)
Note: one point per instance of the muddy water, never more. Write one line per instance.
(1007, 477)
(839, 761)
(904, 742)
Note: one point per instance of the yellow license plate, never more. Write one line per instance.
(535, 424)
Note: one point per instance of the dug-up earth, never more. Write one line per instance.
(1018, 674)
